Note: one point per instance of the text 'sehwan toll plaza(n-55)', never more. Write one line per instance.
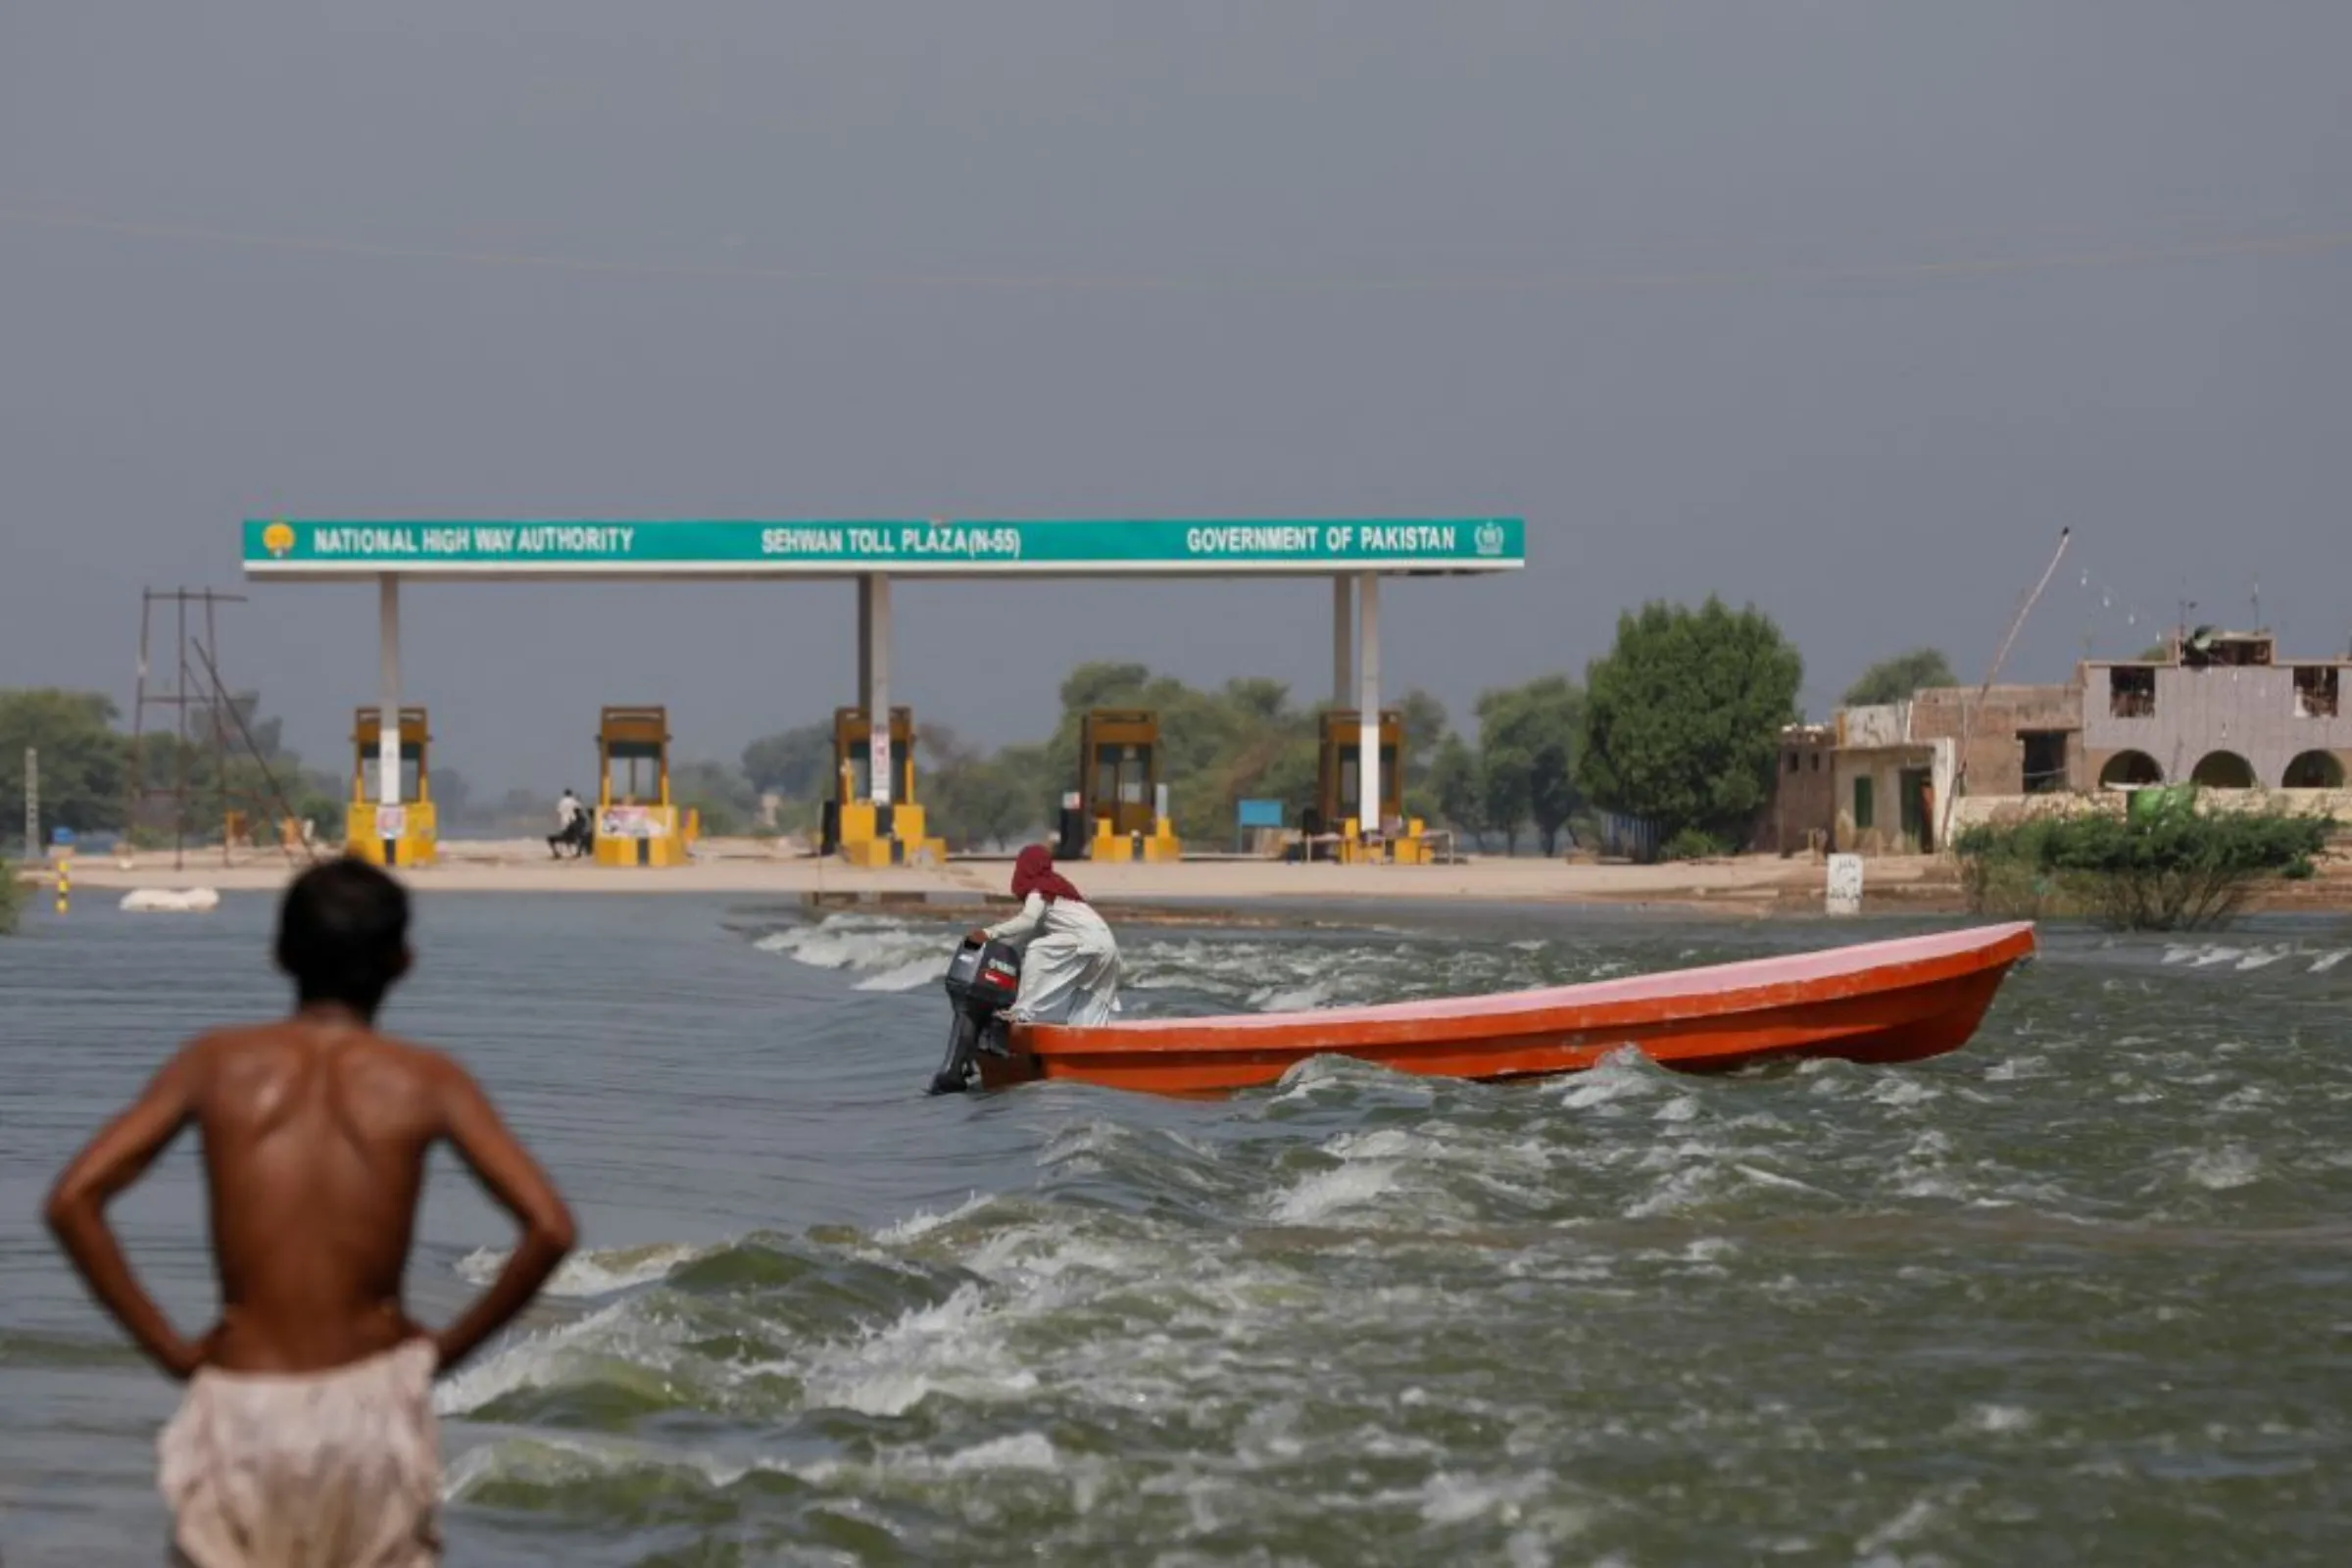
(1354, 553)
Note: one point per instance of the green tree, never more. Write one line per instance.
(83, 759)
(719, 795)
(1538, 726)
(1455, 784)
(1425, 730)
(976, 801)
(1683, 718)
(521, 811)
(454, 803)
(796, 763)
(1241, 741)
(1895, 680)
(1507, 792)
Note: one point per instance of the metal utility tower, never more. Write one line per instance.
(192, 647)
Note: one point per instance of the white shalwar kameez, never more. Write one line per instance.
(1069, 962)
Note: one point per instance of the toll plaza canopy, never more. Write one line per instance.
(1354, 553)
(933, 547)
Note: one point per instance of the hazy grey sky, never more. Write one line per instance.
(1841, 307)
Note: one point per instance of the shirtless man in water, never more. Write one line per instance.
(307, 1435)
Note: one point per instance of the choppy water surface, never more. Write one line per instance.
(2082, 1293)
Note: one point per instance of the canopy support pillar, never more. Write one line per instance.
(873, 681)
(387, 729)
(1342, 640)
(1367, 704)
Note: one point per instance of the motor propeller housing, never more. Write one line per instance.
(982, 981)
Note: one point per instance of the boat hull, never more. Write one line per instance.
(1885, 1002)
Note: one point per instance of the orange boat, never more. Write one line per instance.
(1877, 1002)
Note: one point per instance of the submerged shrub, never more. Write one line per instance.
(2172, 869)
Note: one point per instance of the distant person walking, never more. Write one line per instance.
(307, 1435)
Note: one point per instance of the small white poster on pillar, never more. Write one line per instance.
(391, 822)
(1845, 884)
(882, 775)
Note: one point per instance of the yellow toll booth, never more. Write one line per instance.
(636, 823)
(403, 834)
(1119, 788)
(860, 829)
(1339, 793)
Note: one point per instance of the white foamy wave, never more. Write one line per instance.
(1686, 1187)
(1318, 1196)
(1025, 1450)
(1997, 1419)
(2219, 1170)
(543, 1360)
(549, 1459)
(1291, 999)
(1341, 1074)
(923, 1222)
(912, 976)
(952, 1348)
(1621, 1074)
(862, 943)
(1451, 1500)
(587, 1274)
(1765, 1178)
(2328, 960)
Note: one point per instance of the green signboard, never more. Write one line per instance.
(294, 547)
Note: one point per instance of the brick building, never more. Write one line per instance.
(2022, 740)
(1804, 795)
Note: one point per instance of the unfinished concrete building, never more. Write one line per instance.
(2223, 711)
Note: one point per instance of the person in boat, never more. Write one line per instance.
(1070, 961)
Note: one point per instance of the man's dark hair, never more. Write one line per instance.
(343, 934)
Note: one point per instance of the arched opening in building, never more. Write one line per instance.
(2223, 771)
(2314, 770)
(2126, 771)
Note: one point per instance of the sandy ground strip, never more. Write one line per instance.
(749, 867)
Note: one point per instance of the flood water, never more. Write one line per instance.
(2079, 1294)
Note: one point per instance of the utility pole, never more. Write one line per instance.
(32, 804)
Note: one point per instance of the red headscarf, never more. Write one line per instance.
(1033, 872)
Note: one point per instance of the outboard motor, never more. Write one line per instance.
(983, 978)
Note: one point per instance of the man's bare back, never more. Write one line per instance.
(308, 1435)
(315, 1134)
(321, 1130)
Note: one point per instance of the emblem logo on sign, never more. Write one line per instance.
(278, 538)
(1489, 538)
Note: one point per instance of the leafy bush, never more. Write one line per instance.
(1690, 844)
(2177, 869)
(12, 898)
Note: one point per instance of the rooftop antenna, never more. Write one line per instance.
(1944, 830)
